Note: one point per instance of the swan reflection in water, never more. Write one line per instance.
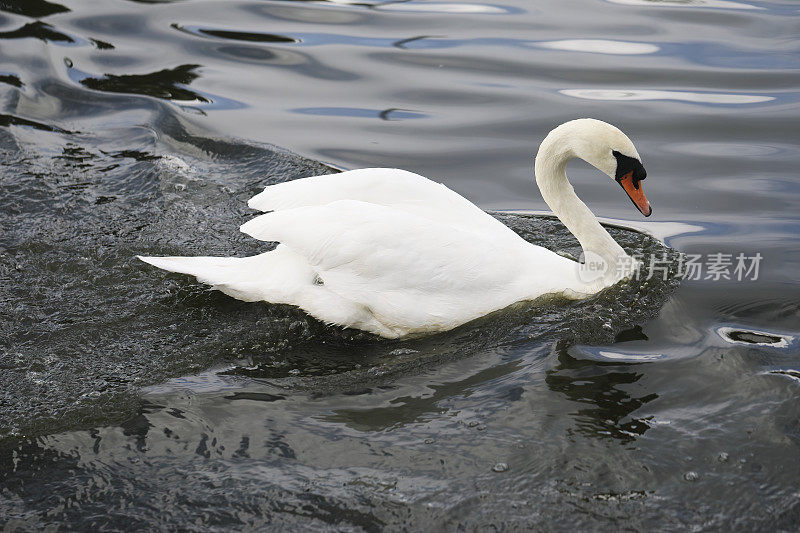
(601, 390)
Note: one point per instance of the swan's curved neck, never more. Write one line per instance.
(551, 177)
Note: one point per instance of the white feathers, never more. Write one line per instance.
(389, 187)
(393, 253)
(414, 274)
(268, 276)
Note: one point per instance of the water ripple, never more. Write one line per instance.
(11, 79)
(601, 410)
(414, 6)
(38, 30)
(256, 37)
(446, 7)
(720, 4)
(601, 46)
(652, 94)
(790, 373)
(167, 84)
(755, 337)
(33, 8)
(383, 114)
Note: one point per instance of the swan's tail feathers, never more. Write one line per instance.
(273, 276)
(280, 276)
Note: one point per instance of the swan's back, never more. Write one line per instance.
(389, 187)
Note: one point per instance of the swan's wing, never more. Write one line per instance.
(388, 187)
(409, 271)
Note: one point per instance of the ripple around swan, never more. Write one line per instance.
(165, 204)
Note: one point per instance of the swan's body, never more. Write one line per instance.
(393, 253)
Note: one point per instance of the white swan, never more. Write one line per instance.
(393, 253)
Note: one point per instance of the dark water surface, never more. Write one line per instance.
(132, 399)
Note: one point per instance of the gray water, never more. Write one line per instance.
(135, 399)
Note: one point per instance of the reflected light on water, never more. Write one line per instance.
(787, 373)
(755, 337)
(601, 46)
(720, 4)
(640, 354)
(725, 149)
(647, 94)
(443, 7)
(426, 7)
(633, 357)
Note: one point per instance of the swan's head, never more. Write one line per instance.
(609, 150)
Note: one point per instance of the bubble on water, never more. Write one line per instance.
(564, 253)
(175, 163)
(403, 351)
(500, 467)
(691, 475)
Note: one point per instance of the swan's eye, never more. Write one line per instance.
(626, 165)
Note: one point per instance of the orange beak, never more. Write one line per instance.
(636, 194)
